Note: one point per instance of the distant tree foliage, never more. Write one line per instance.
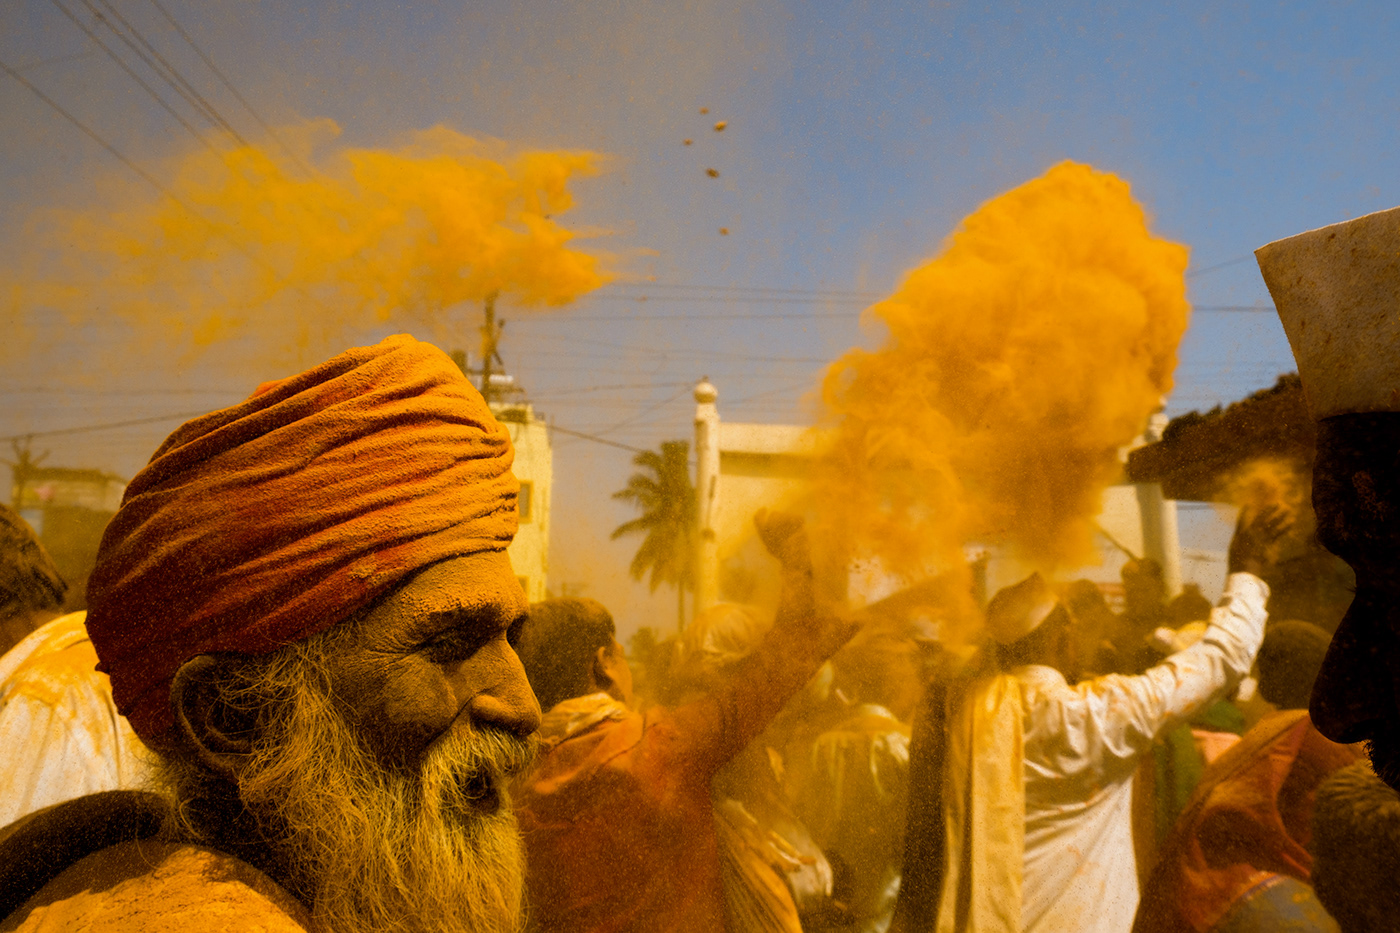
(661, 489)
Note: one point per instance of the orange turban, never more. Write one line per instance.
(263, 524)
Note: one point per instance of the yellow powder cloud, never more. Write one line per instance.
(246, 244)
(1018, 361)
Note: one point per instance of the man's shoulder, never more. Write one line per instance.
(54, 645)
(154, 887)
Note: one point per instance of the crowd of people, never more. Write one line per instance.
(308, 694)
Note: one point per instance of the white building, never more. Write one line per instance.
(743, 467)
(534, 467)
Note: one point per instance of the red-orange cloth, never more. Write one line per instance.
(616, 817)
(263, 524)
(1249, 818)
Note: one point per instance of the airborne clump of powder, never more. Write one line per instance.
(293, 255)
(1018, 362)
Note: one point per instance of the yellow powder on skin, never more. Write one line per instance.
(1018, 361)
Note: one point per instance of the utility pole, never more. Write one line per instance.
(20, 469)
(490, 338)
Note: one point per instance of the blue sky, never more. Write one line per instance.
(859, 134)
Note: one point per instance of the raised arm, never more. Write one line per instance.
(1129, 712)
(803, 636)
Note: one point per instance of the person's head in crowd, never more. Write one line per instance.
(1094, 625)
(1188, 606)
(1288, 662)
(1337, 291)
(31, 589)
(569, 649)
(304, 606)
(1030, 626)
(1356, 850)
(1144, 587)
(881, 666)
(716, 641)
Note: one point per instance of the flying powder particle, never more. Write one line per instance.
(724, 231)
(687, 141)
(1018, 361)
(704, 110)
(712, 172)
(719, 127)
(245, 246)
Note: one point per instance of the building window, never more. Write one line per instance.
(524, 502)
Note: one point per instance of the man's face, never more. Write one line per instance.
(1357, 694)
(410, 720)
(435, 657)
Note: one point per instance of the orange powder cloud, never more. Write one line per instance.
(247, 244)
(1017, 363)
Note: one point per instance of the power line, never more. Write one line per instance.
(104, 427)
(760, 316)
(1222, 265)
(121, 63)
(95, 138)
(208, 63)
(168, 73)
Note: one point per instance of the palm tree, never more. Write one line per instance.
(666, 497)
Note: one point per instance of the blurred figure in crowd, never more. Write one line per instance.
(775, 876)
(1144, 611)
(1188, 606)
(31, 588)
(60, 729)
(1239, 857)
(1030, 789)
(1095, 626)
(851, 787)
(617, 816)
(1356, 850)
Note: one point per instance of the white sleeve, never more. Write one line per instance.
(1129, 712)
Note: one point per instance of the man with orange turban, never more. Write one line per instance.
(303, 606)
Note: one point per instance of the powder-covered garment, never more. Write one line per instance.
(1081, 747)
(1249, 820)
(265, 523)
(617, 817)
(61, 733)
(159, 887)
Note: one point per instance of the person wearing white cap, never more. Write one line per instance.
(1032, 800)
(1337, 291)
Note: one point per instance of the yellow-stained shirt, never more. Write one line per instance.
(59, 727)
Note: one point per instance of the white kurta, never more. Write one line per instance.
(61, 733)
(1081, 747)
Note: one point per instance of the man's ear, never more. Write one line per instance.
(219, 736)
(601, 671)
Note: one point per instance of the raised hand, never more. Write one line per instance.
(1259, 538)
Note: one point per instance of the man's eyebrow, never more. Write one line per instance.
(481, 616)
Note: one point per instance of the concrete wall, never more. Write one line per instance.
(534, 467)
(744, 467)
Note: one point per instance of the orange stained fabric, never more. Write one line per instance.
(265, 523)
(617, 819)
(159, 887)
(1249, 817)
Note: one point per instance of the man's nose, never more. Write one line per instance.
(510, 704)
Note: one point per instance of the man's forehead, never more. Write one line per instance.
(481, 585)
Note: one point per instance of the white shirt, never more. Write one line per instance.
(1081, 747)
(59, 728)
